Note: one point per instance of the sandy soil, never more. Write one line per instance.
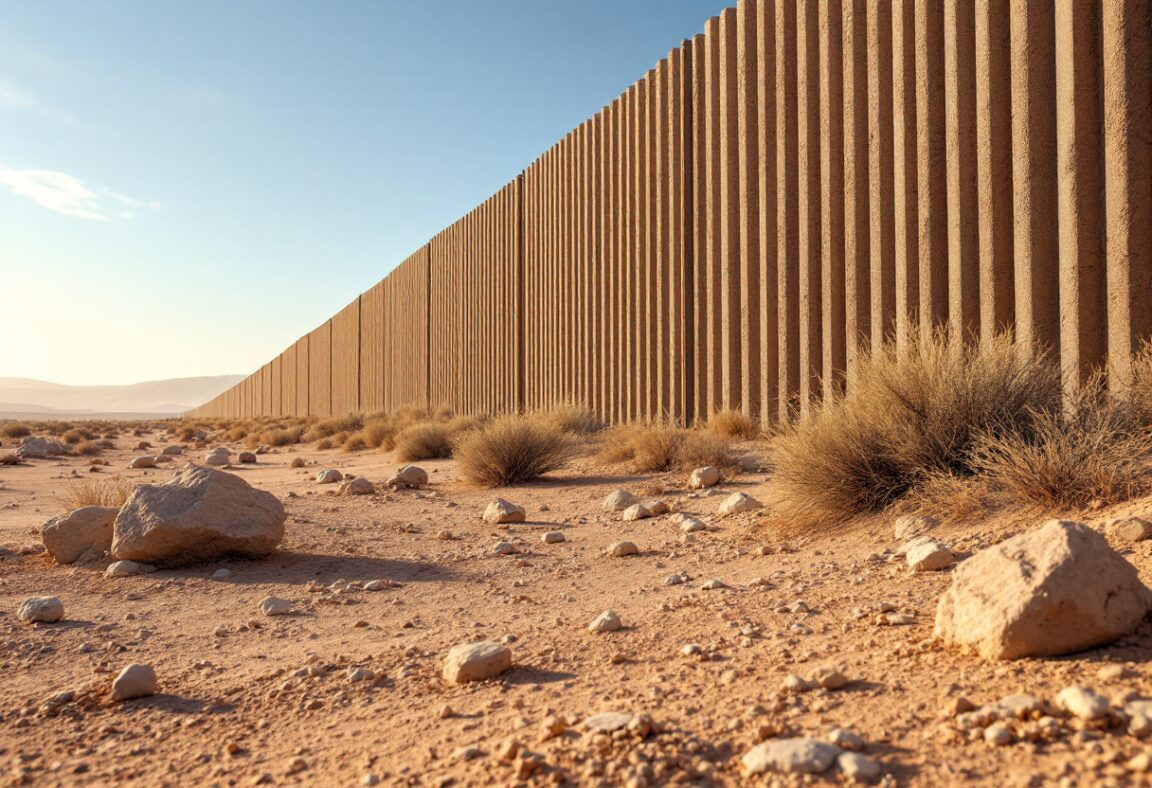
(248, 699)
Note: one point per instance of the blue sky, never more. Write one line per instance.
(187, 186)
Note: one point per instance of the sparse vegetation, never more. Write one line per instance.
(88, 448)
(512, 449)
(571, 417)
(909, 417)
(112, 492)
(423, 441)
(664, 446)
(733, 424)
(15, 430)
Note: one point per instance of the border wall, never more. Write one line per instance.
(798, 182)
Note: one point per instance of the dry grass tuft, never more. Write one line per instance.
(89, 448)
(733, 424)
(664, 446)
(423, 442)
(76, 435)
(324, 444)
(10, 459)
(1094, 451)
(92, 492)
(571, 417)
(15, 430)
(333, 427)
(909, 417)
(512, 449)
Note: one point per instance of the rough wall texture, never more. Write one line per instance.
(800, 181)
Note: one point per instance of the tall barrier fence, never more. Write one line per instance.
(800, 181)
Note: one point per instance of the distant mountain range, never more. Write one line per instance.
(25, 398)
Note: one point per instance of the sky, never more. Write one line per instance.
(187, 186)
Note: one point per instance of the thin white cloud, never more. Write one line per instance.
(12, 96)
(66, 194)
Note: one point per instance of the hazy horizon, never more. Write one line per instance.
(185, 189)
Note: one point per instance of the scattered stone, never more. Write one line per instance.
(701, 478)
(928, 555)
(1082, 702)
(692, 650)
(329, 476)
(147, 461)
(201, 514)
(127, 568)
(846, 740)
(790, 756)
(621, 549)
(274, 606)
(738, 503)
(40, 610)
(553, 537)
(222, 574)
(247, 457)
(713, 584)
(607, 723)
(358, 673)
(619, 500)
(217, 457)
(999, 734)
(380, 585)
(172, 451)
(636, 511)
(909, 526)
(81, 534)
(608, 621)
(408, 476)
(659, 507)
(857, 767)
(135, 681)
(297, 462)
(1128, 530)
(505, 548)
(1054, 590)
(501, 511)
(690, 525)
(829, 678)
(476, 661)
(357, 486)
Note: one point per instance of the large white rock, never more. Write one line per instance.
(619, 500)
(708, 476)
(737, 503)
(218, 456)
(357, 486)
(795, 756)
(200, 514)
(1056, 589)
(329, 476)
(40, 610)
(501, 511)
(82, 533)
(636, 511)
(408, 476)
(135, 681)
(476, 661)
(32, 448)
(1128, 530)
(928, 555)
(146, 461)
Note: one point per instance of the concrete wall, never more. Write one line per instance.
(798, 182)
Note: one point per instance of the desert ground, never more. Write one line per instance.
(348, 689)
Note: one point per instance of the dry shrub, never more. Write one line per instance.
(423, 442)
(186, 433)
(1095, 450)
(512, 449)
(9, 459)
(334, 426)
(89, 448)
(908, 417)
(571, 417)
(734, 424)
(378, 431)
(324, 444)
(703, 448)
(461, 424)
(355, 443)
(15, 430)
(664, 446)
(76, 435)
(281, 437)
(236, 434)
(92, 492)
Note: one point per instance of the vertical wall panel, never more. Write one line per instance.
(1034, 174)
(748, 314)
(931, 167)
(346, 359)
(809, 239)
(994, 166)
(832, 274)
(788, 212)
(320, 370)
(701, 314)
(905, 201)
(881, 170)
(857, 210)
(963, 216)
(303, 377)
(728, 261)
(768, 248)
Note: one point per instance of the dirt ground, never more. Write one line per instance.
(249, 699)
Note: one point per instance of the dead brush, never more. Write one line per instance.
(15, 430)
(88, 448)
(10, 459)
(571, 417)
(111, 492)
(908, 416)
(733, 424)
(1093, 451)
(425, 441)
(511, 450)
(665, 446)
